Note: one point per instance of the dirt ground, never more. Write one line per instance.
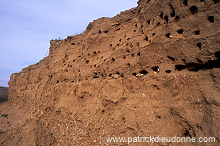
(17, 128)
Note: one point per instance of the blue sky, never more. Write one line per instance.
(27, 26)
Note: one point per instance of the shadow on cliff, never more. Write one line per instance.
(3, 94)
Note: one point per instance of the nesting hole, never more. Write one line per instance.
(197, 32)
(144, 72)
(118, 73)
(177, 17)
(187, 133)
(199, 45)
(155, 68)
(168, 35)
(95, 75)
(185, 2)
(217, 55)
(139, 54)
(180, 67)
(211, 19)
(166, 18)
(158, 117)
(193, 9)
(161, 15)
(146, 38)
(172, 14)
(118, 29)
(171, 58)
(134, 74)
(184, 60)
(180, 31)
(168, 71)
(81, 97)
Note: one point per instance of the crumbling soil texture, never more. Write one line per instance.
(151, 70)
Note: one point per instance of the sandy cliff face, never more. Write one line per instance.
(152, 70)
